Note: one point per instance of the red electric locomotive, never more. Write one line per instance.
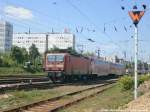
(62, 66)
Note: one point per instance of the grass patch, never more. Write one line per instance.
(19, 98)
(10, 71)
(109, 99)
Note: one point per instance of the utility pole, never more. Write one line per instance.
(46, 45)
(125, 55)
(124, 61)
(29, 31)
(136, 60)
(149, 66)
(98, 52)
(136, 16)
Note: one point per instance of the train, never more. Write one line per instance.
(66, 66)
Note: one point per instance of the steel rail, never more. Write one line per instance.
(23, 86)
(18, 80)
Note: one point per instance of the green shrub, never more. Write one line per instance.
(11, 70)
(126, 82)
(143, 78)
(6, 61)
(30, 69)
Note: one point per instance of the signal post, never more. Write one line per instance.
(136, 17)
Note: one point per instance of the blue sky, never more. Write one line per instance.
(89, 15)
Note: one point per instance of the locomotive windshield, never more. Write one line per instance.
(52, 58)
(59, 57)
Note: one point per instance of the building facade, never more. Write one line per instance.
(6, 35)
(59, 40)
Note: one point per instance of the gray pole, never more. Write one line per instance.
(136, 62)
(81, 49)
(98, 52)
(46, 44)
(136, 16)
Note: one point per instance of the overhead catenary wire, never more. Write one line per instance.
(112, 41)
(24, 24)
(81, 30)
(88, 19)
(45, 15)
(39, 24)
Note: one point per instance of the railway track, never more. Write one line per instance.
(28, 86)
(18, 83)
(22, 80)
(66, 100)
(21, 76)
(30, 83)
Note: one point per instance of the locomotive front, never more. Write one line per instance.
(54, 65)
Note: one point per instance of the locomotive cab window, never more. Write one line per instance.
(51, 58)
(59, 57)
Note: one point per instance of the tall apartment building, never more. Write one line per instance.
(6, 35)
(59, 40)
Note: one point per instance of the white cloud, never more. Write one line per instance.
(18, 12)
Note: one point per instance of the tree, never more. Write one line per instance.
(25, 54)
(68, 50)
(72, 51)
(6, 60)
(33, 53)
(128, 65)
(1, 60)
(88, 54)
(54, 49)
(19, 54)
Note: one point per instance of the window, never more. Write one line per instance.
(59, 57)
(52, 58)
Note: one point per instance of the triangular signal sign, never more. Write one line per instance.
(136, 16)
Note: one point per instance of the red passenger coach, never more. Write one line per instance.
(66, 66)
